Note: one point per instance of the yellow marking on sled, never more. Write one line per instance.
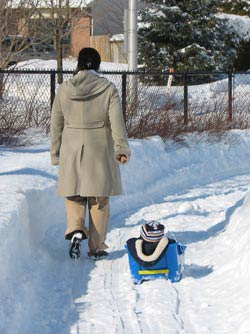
(153, 272)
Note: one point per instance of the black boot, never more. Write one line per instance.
(99, 255)
(75, 246)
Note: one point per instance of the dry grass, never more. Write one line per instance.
(20, 114)
(168, 121)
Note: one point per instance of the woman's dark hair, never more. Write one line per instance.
(88, 59)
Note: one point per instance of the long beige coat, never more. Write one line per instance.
(87, 136)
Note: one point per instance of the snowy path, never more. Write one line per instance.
(194, 217)
(98, 297)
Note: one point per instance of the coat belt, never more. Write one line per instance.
(85, 125)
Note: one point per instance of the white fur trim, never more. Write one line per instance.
(159, 249)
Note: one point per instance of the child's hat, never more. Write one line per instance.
(152, 231)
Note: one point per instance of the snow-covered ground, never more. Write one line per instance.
(69, 64)
(197, 187)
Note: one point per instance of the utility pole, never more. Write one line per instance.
(125, 24)
(59, 22)
(132, 56)
(132, 36)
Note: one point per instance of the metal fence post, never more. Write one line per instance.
(52, 88)
(124, 96)
(1, 84)
(230, 97)
(185, 100)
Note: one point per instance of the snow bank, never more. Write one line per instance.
(232, 273)
(33, 270)
(159, 168)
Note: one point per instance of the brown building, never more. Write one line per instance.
(72, 27)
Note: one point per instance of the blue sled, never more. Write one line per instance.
(170, 265)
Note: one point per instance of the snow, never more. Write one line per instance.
(117, 38)
(241, 24)
(198, 187)
(69, 64)
(194, 45)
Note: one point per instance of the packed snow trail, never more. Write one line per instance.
(87, 297)
(196, 189)
(56, 294)
(195, 218)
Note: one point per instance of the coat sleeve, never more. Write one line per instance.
(56, 129)
(118, 126)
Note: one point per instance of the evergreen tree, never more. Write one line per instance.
(242, 8)
(239, 7)
(185, 35)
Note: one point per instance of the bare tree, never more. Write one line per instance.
(15, 24)
(55, 19)
(25, 23)
(15, 41)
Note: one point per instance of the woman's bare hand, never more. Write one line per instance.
(122, 158)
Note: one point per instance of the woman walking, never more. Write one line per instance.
(88, 141)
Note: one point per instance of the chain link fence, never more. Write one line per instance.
(153, 103)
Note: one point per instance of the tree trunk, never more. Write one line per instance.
(59, 57)
(1, 85)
